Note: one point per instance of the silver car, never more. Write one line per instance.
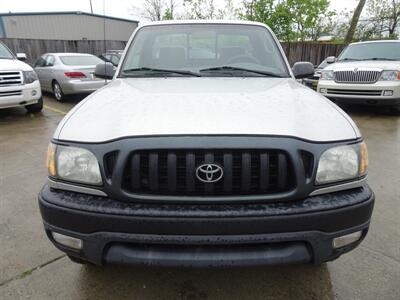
(68, 73)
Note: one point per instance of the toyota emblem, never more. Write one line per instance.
(209, 173)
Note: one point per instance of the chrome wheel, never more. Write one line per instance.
(57, 92)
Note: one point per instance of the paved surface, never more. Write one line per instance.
(30, 267)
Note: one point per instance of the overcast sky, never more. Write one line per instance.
(116, 8)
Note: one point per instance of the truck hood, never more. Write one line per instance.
(368, 65)
(13, 65)
(205, 106)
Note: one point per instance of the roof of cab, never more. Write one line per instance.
(182, 22)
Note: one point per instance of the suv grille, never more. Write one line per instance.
(11, 78)
(173, 172)
(357, 77)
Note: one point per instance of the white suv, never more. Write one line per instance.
(19, 84)
(205, 151)
(364, 73)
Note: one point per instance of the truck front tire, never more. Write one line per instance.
(77, 260)
(396, 110)
(34, 108)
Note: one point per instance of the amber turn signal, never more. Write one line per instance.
(363, 159)
(50, 160)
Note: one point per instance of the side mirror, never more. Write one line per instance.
(105, 71)
(330, 59)
(21, 56)
(303, 70)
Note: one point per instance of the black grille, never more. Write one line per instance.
(109, 163)
(355, 92)
(173, 172)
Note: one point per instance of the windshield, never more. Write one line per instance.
(115, 58)
(5, 53)
(372, 51)
(323, 65)
(84, 60)
(203, 49)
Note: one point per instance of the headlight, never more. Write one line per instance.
(327, 75)
(390, 76)
(342, 163)
(29, 76)
(73, 164)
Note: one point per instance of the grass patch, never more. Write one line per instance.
(25, 273)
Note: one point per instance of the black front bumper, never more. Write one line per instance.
(206, 235)
(311, 83)
(365, 101)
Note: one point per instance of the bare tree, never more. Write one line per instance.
(229, 11)
(156, 10)
(384, 16)
(153, 9)
(354, 21)
(169, 13)
(200, 9)
(171, 7)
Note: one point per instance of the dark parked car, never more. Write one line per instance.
(312, 82)
(112, 56)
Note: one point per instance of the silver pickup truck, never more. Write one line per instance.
(204, 150)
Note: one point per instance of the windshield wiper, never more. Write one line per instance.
(349, 59)
(380, 58)
(153, 70)
(370, 58)
(230, 68)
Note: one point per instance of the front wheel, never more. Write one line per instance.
(58, 92)
(34, 108)
(78, 260)
(396, 109)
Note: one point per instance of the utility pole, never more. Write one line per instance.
(91, 7)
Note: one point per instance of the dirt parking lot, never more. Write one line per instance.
(30, 267)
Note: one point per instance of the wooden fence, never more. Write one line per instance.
(313, 52)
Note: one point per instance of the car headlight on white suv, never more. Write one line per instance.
(73, 164)
(327, 75)
(29, 77)
(342, 163)
(390, 76)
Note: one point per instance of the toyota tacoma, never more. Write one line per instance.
(204, 150)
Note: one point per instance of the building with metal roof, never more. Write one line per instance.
(73, 25)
